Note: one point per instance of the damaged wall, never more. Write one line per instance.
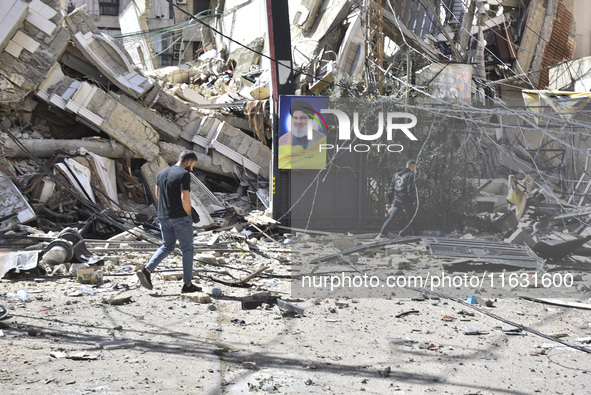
(93, 90)
(133, 20)
(28, 55)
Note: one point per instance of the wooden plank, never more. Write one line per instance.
(244, 279)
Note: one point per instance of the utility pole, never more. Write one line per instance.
(374, 47)
(282, 83)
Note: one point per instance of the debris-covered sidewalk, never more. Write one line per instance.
(249, 335)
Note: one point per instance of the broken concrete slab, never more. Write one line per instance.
(132, 20)
(167, 130)
(351, 52)
(31, 48)
(232, 143)
(520, 236)
(150, 172)
(20, 42)
(246, 57)
(531, 38)
(170, 152)
(40, 15)
(104, 111)
(107, 55)
(306, 13)
(15, 12)
(344, 242)
(324, 19)
(189, 93)
(558, 249)
(168, 101)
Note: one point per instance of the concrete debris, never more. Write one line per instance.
(117, 301)
(557, 250)
(520, 236)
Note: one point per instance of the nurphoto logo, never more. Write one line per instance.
(392, 124)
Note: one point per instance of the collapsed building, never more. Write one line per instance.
(73, 95)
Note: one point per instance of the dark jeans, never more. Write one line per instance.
(409, 211)
(174, 229)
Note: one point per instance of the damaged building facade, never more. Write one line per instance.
(513, 71)
(68, 87)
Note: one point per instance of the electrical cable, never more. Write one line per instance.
(218, 32)
(414, 183)
(481, 21)
(96, 210)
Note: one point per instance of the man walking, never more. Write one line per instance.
(402, 189)
(173, 188)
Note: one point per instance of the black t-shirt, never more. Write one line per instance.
(402, 187)
(171, 181)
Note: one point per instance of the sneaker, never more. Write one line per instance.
(144, 276)
(190, 288)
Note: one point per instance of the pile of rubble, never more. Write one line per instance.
(528, 213)
(84, 132)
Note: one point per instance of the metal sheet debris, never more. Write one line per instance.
(22, 260)
(484, 251)
(14, 208)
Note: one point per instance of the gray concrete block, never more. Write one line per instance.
(520, 236)
(166, 129)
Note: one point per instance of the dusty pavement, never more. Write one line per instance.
(162, 342)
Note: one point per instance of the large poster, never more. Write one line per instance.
(302, 131)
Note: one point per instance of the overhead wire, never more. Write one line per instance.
(542, 175)
(462, 107)
(481, 20)
(400, 81)
(330, 163)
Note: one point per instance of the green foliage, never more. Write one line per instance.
(446, 194)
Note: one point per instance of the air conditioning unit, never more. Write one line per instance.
(181, 1)
(178, 47)
(176, 55)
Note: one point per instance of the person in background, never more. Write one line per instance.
(401, 192)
